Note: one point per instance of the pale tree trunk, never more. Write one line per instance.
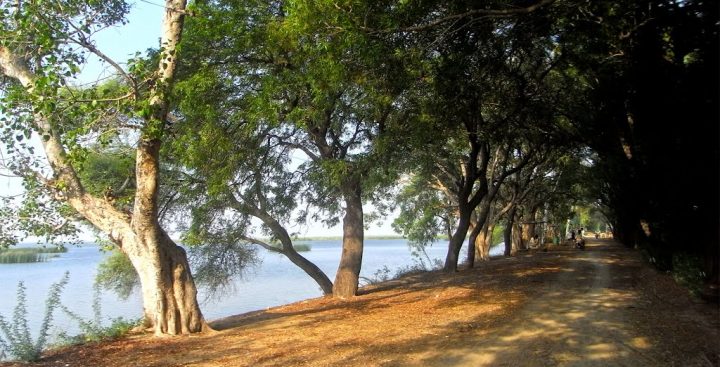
(483, 242)
(528, 227)
(169, 292)
(516, 239)
(475, 230)
(348, 273)
(175, 309)
(162, 265)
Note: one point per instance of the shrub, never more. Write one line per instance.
(379, 276)
(92, 330)
(15, 338)
(687, 271)
(383, 274)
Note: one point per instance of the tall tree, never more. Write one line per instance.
(309, 83)
(42, 47)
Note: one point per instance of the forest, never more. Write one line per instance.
(461, 116)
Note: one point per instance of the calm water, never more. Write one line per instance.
(274, 282)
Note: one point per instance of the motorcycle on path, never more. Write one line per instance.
(580, 243)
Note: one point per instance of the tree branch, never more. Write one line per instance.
(492, 13)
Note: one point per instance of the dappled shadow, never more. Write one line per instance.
(562, 307)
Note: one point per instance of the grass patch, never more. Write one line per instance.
(29, 254)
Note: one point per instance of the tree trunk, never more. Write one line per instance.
(526, 233)
(169, 292)
(456, 241)
(287, 246)
(475, 230)
(306, 265)
(484, 242)
(516, 240)
(528, 228)
(507, 233)
(348, 274)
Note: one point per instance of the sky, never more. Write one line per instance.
(140, 33)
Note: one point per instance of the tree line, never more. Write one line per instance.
(463, 115)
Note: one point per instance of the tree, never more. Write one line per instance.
(42, 47)
(305, 81)
(652, 65)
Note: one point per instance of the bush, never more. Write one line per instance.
(92, 332)
(93, 329)
(687, 271)
(15, 338)
(379, 276)
(383, 274)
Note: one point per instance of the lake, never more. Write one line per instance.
(276, 281)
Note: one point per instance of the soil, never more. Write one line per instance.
(565, 307)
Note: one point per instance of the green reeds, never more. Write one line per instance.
(302, 247)
(29, 254)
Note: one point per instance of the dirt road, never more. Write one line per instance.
(565, 307)
(598, 312)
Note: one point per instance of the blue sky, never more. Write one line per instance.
(121, 43)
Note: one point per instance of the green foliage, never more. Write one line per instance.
(37, 214)
(379, 276)
(497, 235)
(688, 271)
(15, 338)
(28, 255)
(110, 173)
(424, 214)
(217, 264)
(92, 333)
(117, 274)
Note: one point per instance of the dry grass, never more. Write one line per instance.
(423, 320)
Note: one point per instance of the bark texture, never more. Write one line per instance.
(348, 273)
(483, 242)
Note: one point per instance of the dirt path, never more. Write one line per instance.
(564, 307)
(590, 314)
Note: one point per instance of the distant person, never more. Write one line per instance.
(572, 234)
(534, 242)
(580, 231)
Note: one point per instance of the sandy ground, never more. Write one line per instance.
(564, 307)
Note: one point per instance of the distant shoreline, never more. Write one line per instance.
(338, 238)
